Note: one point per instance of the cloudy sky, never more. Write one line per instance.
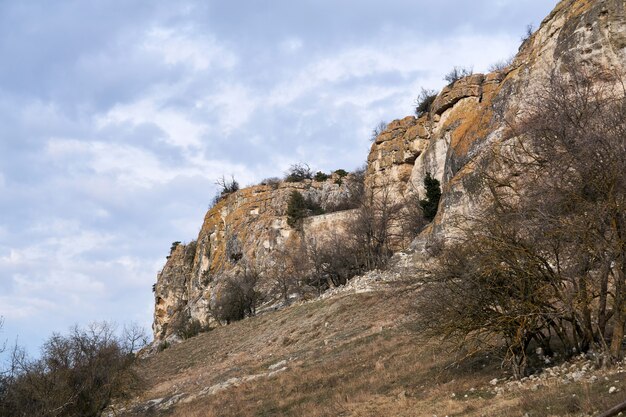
(117, 116)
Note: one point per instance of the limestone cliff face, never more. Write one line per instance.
(245, 228)
(449, 141)
(470, 114)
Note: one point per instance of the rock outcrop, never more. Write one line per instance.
(244, 229)
(448, 142)
(468, 115)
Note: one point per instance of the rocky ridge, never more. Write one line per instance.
(448, 141)
(244, 229)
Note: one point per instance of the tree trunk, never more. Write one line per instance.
(619, 311)
(604, 289)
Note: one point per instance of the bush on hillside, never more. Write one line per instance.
(321, 176)
(77, 375)
(298, 208)
(536, 265)
(225, 188)
(378, 129)
(273, 182)
(238, 297)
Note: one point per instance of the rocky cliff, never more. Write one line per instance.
(243, 230)
(447, 141)
(468, 115)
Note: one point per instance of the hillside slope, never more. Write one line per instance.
(355, 353)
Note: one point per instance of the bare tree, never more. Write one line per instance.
(77, 375)
(577, 142)
(290, 270)
(545, 255)
(227, 186)
(298, 173)
(334, 259)
(376, 226)
(134, 337)
(424, 101)
(238, 296)
(378, 129)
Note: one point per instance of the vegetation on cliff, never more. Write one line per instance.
(424, 101)
(433, 193)
(298, 208)
(542, 264)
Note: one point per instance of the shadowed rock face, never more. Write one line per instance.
(449, 142)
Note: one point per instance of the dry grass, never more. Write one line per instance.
(574, 399)
(351, 356)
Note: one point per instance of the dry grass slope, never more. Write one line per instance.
(350, 355)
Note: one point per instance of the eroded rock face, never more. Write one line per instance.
(448, 142)
(245, 228)
(394, 152)
(470, 114)
(471, 86)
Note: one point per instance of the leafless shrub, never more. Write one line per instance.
(77, 375)
(225, 188)
(424, 101)
(184, 325)
(191, 328)
(134, 337)
(457, 73)
(530, 29)
(545, 257)
(378, 129)
(334, 260)
(376, 225)
(298, 173)
(273, 182)
(290, 271)
(501, 65)
(238, 297)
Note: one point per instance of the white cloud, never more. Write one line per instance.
(179, 129)
(60, 273)
(291, 45)
(58, 242)
(130, 167)
(62, 282)
(365, 97)
(234, 105)
(16, 308)
(184, 46)
(432, 59)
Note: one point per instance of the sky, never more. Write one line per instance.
(118, 116)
